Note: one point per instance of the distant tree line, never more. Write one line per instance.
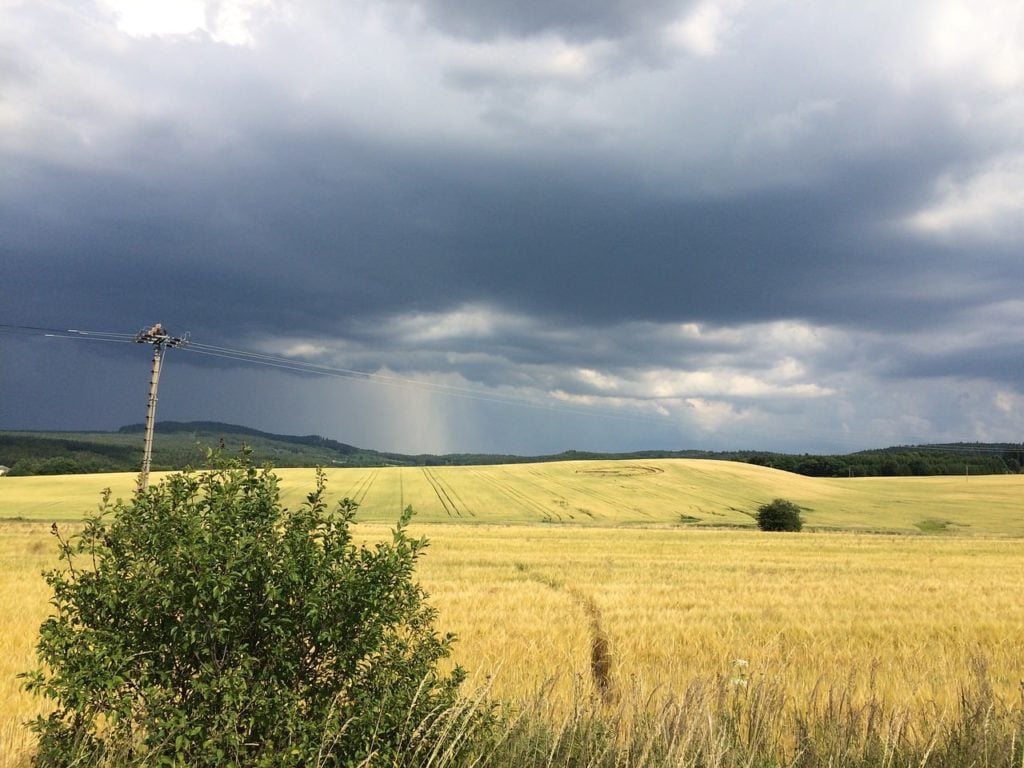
(973, 459)
(182, 444)
(29, 455)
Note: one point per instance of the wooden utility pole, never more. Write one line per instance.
(160, 340)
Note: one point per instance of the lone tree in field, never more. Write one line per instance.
(203, 624)
(779, 515)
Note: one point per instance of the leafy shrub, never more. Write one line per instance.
(203, 624)
(779, 515)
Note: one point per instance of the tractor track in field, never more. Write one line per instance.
(522, 499)
(559, 499)
(447, 495)
(622, 470)
(610, 500)
(446, 503)
(454, 494)
(359, 490)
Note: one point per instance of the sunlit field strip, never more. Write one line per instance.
(805, 611)
(657, 492)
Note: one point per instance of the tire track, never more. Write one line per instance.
(545, 482)
(453, 495)
(442, 496)
(362, 486)
(601, 657)
(524, 500)
(609, 500)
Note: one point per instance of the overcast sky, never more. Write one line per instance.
(543, 225)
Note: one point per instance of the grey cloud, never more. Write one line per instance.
(575, 19)
(334, 180)
(999, 361)
(320, 238)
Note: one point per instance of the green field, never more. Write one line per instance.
(655, 492)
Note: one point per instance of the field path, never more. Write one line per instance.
(601, 657)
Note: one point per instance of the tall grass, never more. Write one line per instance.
(738, 722)
(723, 722)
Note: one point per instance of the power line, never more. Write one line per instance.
(68, 332)
(86, 338)
(299, 366)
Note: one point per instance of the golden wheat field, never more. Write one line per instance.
(654, 492)
(908, 619)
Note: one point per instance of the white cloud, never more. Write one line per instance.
(597, 379)
(726, 382)
(225, 21)
(143, 18)
(459, 324)
(1009, 402)
(303, 349)
(702, 31)
(548, 58)
(788, 368)
(714, 415)
(983, 39)
(988, 204)
(232, 20)
(779, 335)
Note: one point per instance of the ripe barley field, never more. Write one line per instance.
(25, 550)
(907, 615)
(581, 584)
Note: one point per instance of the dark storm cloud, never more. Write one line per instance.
(572, 18)
(328, 231)
(709, 210)
(994, 361)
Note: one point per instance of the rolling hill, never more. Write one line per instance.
(654, 492)
(181, 444)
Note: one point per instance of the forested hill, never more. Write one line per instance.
(181, 444)
(939, 459)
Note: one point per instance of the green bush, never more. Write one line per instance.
(203, 624)
(779, 515)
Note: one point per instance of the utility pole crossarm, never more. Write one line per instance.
(160, 339)
(158, 336)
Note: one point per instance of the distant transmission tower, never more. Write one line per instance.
(160, 340)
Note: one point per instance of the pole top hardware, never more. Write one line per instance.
(158, 335)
